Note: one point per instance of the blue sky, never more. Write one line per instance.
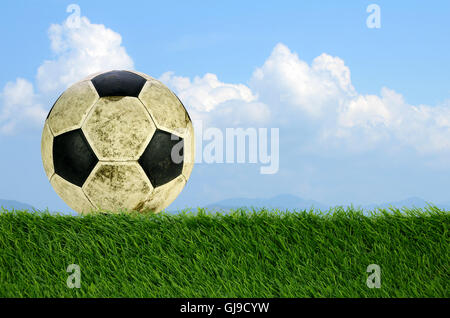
(389, 140)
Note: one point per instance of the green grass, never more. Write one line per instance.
(243, 254)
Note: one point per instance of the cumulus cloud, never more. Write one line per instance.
(209, 99)
(79, 50)
(286, 90)
(19, 105)
(372, 121)
(314, 89)
(324, 91)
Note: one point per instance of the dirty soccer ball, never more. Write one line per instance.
(118, 141)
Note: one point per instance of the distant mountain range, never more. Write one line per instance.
(16, 205)
(282, 202)
(409, 203)
(291, 202)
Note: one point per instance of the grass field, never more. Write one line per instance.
(242, 254)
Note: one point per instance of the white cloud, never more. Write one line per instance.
(19, 104)
(323, 91)
(288, 91)
(209, 99)
(79, 51)
(207, 92)
(82, 50)
(315, 90)
(389, 118)
(285, 90)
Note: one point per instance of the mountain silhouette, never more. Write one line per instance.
(292, 202)
(16, 205)
(282, 201)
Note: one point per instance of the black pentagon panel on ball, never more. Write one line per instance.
(118, 83)
(162, 160)
(73, 158)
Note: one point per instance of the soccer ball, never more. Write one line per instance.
(118, 141)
